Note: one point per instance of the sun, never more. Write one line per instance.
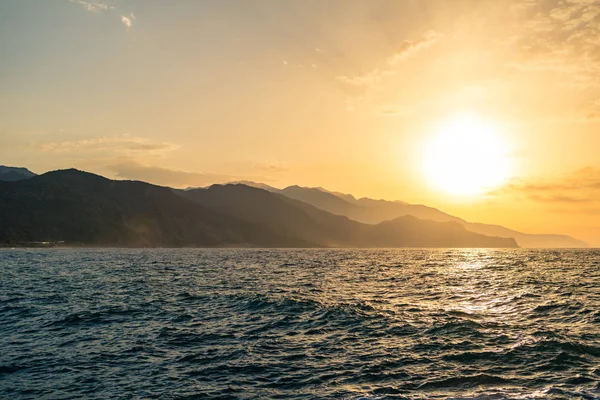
(466, 157)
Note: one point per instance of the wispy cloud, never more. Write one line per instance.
(92, 6)
(133, 169)
(124, 144)
(269, 166)
(592, 111)
(97, 7)
(581, 186)
(558, 35)
(407, 49)
(126, 21)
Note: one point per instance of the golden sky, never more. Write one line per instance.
(347, 95)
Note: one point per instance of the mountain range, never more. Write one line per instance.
(80, 208)
(76, 207)
(292, 217)
(372, 211)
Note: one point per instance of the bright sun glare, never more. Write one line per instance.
(467, 157)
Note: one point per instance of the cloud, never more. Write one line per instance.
(581, 186)
(132, 169)
(92, 6)
(368, 79)
(124, 144)
(407, 49)
(269, 166)
(135, 170)
(592, 111)
(558, 35)
(126, 21)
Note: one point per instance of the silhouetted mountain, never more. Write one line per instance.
(81, 208)
(323, 200)
(279, 213)
(13, 174)
(376, 211)
(426, 233)
(258, 185)
(295, 218)
(527, 239)
(77, 207)
(364, 210)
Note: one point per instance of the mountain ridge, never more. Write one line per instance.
(283, 214)
(13, 174)
(77, 207)
(374, 211)
(363, 210)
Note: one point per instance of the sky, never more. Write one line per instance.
(343, 94)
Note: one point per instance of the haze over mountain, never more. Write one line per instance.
(82, 208)
(293, 217)
(77, 207)
(372, 211)
(322, 227)
(12, 174)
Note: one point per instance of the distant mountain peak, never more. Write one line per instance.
(20, 169)
(253, 184)
(70, 172)
(13, 174)
(371, 211)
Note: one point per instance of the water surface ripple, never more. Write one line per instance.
(299, 324)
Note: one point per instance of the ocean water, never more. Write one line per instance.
(299, 324)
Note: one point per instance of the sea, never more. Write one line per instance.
(299, 324)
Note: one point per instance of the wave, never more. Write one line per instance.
(110, 315)
(302, 324)
(467, 382)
